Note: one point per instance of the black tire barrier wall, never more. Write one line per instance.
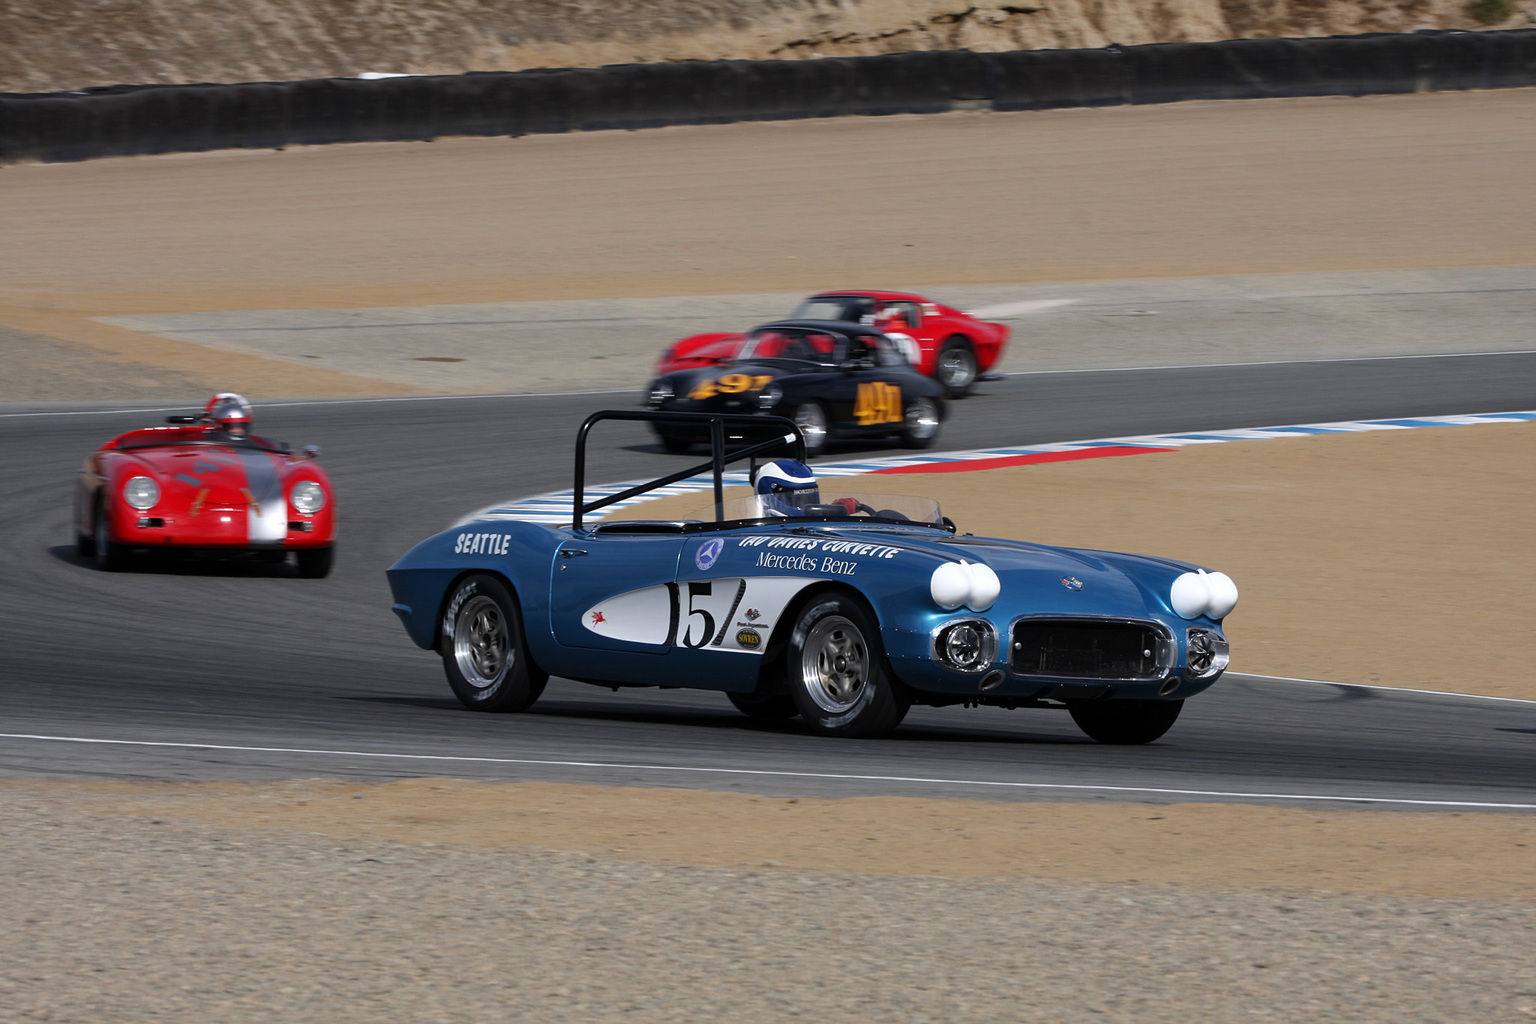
(131, 120)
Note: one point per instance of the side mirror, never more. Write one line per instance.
(182, 420)
(311, 451)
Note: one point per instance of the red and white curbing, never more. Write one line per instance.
(554, 508)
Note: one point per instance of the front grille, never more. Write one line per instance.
(1088, 649)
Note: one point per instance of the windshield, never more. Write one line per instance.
(203, 438)
(852, 308)
(786, 343)
(831, 502)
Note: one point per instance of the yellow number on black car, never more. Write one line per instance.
(878, 402)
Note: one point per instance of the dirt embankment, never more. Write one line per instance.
(72, 44)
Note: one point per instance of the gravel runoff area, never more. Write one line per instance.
(154, 919)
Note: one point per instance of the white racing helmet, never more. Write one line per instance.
(785, 487)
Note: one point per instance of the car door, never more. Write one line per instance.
(871, 388)
(615, 591)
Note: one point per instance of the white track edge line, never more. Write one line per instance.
(1272, 362)
(1389, 689)
(1075, 787)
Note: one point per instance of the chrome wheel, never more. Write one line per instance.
(835, 664)
(956, 368)
(921, 422)
(812, 421)
(482, 646)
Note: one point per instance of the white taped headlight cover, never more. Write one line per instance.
(307, 496)
(985, 586)
(1190, 595)
(142, 493)
(1223, 595)
(950, 585)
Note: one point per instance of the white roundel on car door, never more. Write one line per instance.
(730, 614)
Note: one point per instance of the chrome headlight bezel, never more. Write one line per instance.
(141, 493)
(967, 645)
(1206, 654)
(307, 497)
(661, 392)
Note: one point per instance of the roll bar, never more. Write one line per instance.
(789, 438)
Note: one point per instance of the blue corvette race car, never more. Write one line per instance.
(841, 607)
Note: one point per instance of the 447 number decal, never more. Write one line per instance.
(878, 402)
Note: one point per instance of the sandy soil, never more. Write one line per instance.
(1465, 856)
(970, 198)
(72, 44)
(1388, 542)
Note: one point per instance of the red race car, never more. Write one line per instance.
(206, 482)
(952, 347)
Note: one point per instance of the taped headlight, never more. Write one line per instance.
(1194, 594)
(307, 496)
(1207, 654)
(964, 583)
(969, 645)
(141, 492)
(661, 392)
(769, 397)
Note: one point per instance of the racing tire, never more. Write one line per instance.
(774, 707)
(811, 418)
(109, 554)
(836, 670)
(920, 423)
(955, 367)
(85, 545)
(484, 652)
(315, 563)
(676, 445)
(1125, 722)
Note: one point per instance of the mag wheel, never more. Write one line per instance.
(920, 423)
(1125, 721)
(315, 563)
(956, 366)
(837, 673)
(484, 655)
(811, 418)
(110, 555)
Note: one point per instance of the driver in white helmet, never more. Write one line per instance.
(785, 487)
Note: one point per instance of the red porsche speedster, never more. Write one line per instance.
(952, 347)
(205, 482)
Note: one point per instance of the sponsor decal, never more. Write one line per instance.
(752, 614)
(597, 617)
(749, 638)
(837, 547)
(482, 544)
(1072, 583)
(708, 553)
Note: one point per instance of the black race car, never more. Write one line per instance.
(833, 379)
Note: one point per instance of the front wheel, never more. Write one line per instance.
(484, 654)
(1125, 722)
(920, 423)
(315, 563)
(811, 418)
(956, 366)
(837, 673)
(110, 555)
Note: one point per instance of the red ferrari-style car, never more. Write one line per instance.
(952, 347)
(207, 483)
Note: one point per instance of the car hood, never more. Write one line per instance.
(1040, 578)
(212, 474)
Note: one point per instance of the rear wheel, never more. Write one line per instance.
(315, 563)
(836, 670)
(920, 423)
(484, 653)
(956, 366)
(110, 555)
(1125, 721)
(767, 708)
(811, 418)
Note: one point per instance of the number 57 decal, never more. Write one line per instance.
(698, 614)
(878, 402)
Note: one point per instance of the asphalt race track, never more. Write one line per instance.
(230, 670)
